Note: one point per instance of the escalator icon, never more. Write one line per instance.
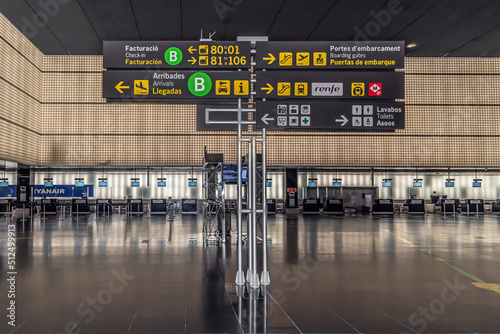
(284, 88)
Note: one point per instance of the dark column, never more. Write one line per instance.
(292, 197)
(23, 185)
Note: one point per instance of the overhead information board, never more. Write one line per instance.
(176, 54)
(330, 85)
(330, 116)
(179, 85)
(330, 55)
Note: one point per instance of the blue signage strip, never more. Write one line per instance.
(10, 191)
(62, 191)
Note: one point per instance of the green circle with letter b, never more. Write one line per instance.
(173, 56)
(200, 84)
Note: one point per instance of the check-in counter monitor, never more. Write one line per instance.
(135, 206)
(158, 206)
(473, 206)
(80, 206)
(383, 207)
(6, 205)
(450, 206)
(48, 206)
(271, 206)
(333, 206)
(416, 206)
(310, 206)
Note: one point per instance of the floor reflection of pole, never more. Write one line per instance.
(250, 312)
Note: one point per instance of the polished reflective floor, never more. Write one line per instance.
(328, 275)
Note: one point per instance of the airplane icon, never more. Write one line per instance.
(302, 58)
(141, 87)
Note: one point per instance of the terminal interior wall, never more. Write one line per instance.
(55, 114)
(177, 184)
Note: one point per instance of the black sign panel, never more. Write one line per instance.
(178, 85)
(201, 124)
(363, 116)
(330, 85)
(172, 54)
(330, 55)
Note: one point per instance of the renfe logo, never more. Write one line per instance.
(375, 89)
(327, 89)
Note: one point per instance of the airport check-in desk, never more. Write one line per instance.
(495, 208)
(6, 206)
(80, 206)
(310, 206)
(473, 206)
(271, 206)
(104, 207)
(135, 206)
(48, 206)
(333, 206)
(450, 206)
(189, 206)
(158, 206)
(416, 206)
(383, 207)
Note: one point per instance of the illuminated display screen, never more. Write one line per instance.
(135, 184)
(417, 184)
(337, 184)
(103, 184)
(476, 184)
(4, 184)
(162, 183)
(79, 184)
(192, 184)
(48, 184)
(269, 184)
(386, 184)
(449, 184)
(312, 184)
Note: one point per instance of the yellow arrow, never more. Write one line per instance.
(119, 87)
(269, 88)
(191, 49)
(271, 59)
(192, 60)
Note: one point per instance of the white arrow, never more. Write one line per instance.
(265, 119)
(344, 120)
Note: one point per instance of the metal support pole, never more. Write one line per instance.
(250, 204)
(477, 210)
(254, 279)
(97, 210)
(240, 276)
(264, 278)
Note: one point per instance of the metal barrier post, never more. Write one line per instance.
(264, 278)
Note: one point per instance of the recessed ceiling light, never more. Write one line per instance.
(411, 45)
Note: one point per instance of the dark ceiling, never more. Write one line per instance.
(455, 28)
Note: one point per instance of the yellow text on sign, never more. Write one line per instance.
(303, 59)
(241, 87)
(284, 88)
(319, 58)
(222, 87)
(358, 89)
(301, 89)
(141, 87)
(286, 59)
